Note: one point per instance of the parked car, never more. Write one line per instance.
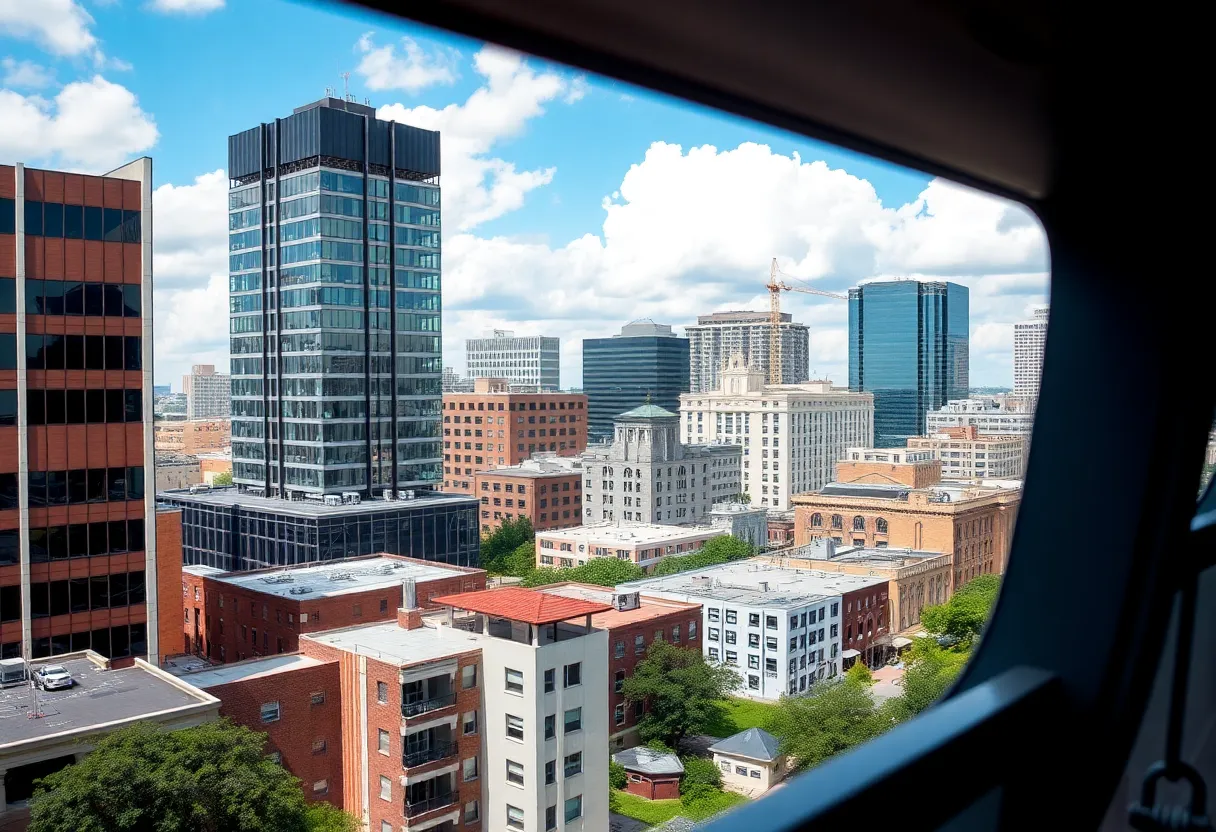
(53, 677)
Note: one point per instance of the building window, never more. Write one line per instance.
(471, 812)
(713, 614)
(753, 619)
(549, 680)
(469, 769)
(470, 722)
(732, 617)
(618, 682)
(382, 692)
(880, 525)
(550, 726)
(515, 818)
(713, 633)
(320, 787)
(713, 654)
(731, 637)
(639, 645)
(753, 640)
(550, 772)
(753, 661)
(515, 727)
(515, 773)
(692, 630)
(770, 622)
(386, 788)
(618, 714)
(318, 746)
(574, 721)
(816, 519)
(468, 677)
(753, 682)
(859, 523)
(382, 742)
(837, 521)
(386, 826)
(270, 712)
(618, 650)
(317, 697)
(515, 681)
(741, 770)
(574, 675)
(574, 808)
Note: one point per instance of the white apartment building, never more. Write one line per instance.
(208, 393)
(642, 543)
(1029, 338)
(967, 454)
(791, 434)
(532, 362)
(647, 475)
(1000, 415)
(717, 337)
(778, 628)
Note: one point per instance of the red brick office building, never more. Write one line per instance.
(865, 620)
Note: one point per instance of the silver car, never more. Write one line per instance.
(53, 677)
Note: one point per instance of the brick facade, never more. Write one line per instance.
(171, 639)
(550, 501)
(865, 619)
(193, 436)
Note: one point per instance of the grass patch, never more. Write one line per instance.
(655, 812)
(741, 714)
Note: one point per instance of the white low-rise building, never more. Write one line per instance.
(965, 453)
(997, 415)
(778, 628)
(642, 543)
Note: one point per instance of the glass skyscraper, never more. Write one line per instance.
(334, 281)
(908, 345)
(646, 362)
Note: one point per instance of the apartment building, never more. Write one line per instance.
(1029, 343)
(547, 490)
(493, 426)
(644, 544)
(718, 336)
(525, 361)
(1001, 415)
(191, 436)
(778, 628)
(971, 521)
(208, 393)
(232, 616)
(791, 434)
(634, 623)
(965, 453)
(646, 474)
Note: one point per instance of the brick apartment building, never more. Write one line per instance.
(232, 616)
(493, 426)
(866, 508)
(866, 623)
(193, 436)
(547, 491)
(487, 714)
(634, 623)
(76, 383)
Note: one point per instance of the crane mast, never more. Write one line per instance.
(775, 288)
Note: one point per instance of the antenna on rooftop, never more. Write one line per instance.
(346, 96)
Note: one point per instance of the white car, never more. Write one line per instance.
(53, 677)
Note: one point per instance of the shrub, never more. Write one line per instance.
(699, 772)
(697, 793)
(617, 778)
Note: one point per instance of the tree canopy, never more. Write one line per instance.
(716, 550)
(683, 691)
(498, 545)
(222, 478)
(929, 670)
(963, 617)
(835, 716)
(213, 778)
(599, 571)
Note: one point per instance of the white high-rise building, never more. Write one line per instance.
(717, 337)
(524, 361)
(792, 434)
(208, 393)
(1029, 338)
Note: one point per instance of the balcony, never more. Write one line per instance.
(430, 804)
(425, 706)
(437, 751)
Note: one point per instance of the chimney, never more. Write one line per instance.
(409, 617)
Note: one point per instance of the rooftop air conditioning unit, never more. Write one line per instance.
(333, 500)
(388, 494)
(351, 497)
(405, 495)
(627, 601)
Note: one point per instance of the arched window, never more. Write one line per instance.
(837, 521)
(628, 472)
(880, 525)
(680, 472)
(608, 472)
(859, 523)
(816, 519)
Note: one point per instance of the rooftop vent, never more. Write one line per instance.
(300, 590)
(278, 579)
(341, 576)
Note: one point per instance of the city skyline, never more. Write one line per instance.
(583, 247)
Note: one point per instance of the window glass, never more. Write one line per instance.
(33, 217)
(112, 225)
(8, 351)
(8, 294)
(131, 300)
(52, 219)
(93, 223)
(73, 222)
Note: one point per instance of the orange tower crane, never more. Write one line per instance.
(775, 287)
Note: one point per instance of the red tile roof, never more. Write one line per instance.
(527, 605)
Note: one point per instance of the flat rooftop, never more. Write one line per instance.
(223, 674)
(649, 607)
(625, 532)
(339, 577)
(99, 697)
(755, 583)
(389, 642)
(229, 497)
(859, 555)
(538, 468)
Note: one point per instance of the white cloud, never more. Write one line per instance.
(477, 186)
(186, 6)
(414, 70)
(191, 223)
(190, 327)
(59, 26)
(92, 125)
(26, 74)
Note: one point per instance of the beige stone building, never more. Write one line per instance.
(192, 436)
(966, 453)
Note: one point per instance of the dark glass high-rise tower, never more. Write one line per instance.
(334, 279)
(646, 362)
(908, 345)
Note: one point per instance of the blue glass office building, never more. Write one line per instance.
(908, 345)
(646, 362)
(334, 279)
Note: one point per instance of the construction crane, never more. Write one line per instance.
(775, 288)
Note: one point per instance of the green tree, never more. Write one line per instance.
(833, 717)
(325, 817)
(860, 673)
(599, 571)
(222, 478)
(929, 670)
(699, 771)
(522, 559)
(683, 692)
(963, 617)
(499, 544)
(618, 778)
(206, 779)
(727, 547)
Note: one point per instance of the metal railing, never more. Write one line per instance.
(423, 706)
(438, 751)
(430, 804)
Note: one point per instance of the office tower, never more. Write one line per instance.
(76, 413)
(1029, 339)
(335, 321)
(791, 434)
(207, 392)
(717, 337)
(525, 362)
(646, 362)
(908, 345)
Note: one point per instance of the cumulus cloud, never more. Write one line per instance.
(191, 224)
(186, 6)
(62, 27)
(413, 70)
(92, 125)
(26, 74)
(190, 327)
(477, 186)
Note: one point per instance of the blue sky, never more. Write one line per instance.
(572, 203)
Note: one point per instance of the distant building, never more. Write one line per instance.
(751, 762)
(208, 393)
(646, 362)
(175, 470)
(453, 382)
(494, 426)
(159, 390)
(966, 454)
(791, 434)
(191, 436)
(916, 468)
(533, 361)
(647, 475)
(547, 490)
(643, 544)
(741, 521)
(717, 337)
(654, 775)
(989, 415)
(780, 529)
(213, 463)
(908, 345)
(1029, 341)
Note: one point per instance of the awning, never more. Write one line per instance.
(850, 653)
(901, 642)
